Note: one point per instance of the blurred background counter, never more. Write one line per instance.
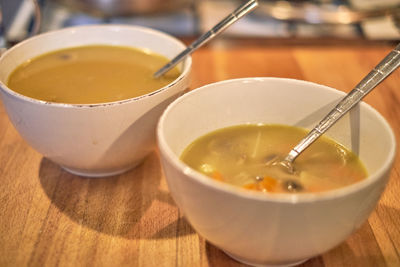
(287, 21)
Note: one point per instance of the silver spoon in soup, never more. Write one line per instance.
(217, 29)
(286, 165)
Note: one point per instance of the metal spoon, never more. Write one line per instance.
(377, 75)
(218, 28)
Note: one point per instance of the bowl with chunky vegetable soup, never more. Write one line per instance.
(218, 144)
(85, 97)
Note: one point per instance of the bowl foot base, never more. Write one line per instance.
(99, 174)
(239, 259)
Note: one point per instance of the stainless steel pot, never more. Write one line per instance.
(6, 39)
(109, 8)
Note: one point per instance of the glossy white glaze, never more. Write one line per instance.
(100, 139)
(272, 229)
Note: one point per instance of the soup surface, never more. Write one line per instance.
(247, 156)
(91, 74)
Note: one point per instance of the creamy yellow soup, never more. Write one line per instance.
(247, 156)
(91, 74)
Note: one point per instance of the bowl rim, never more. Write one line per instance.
(187, 64)
(204, 180)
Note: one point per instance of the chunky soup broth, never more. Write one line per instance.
(246, 156)
(91, 74)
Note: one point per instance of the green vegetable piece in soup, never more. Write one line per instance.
(91, 74)
(241, 156)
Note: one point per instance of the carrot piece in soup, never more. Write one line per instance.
(251, 186)
(216, 175)
(268, 184)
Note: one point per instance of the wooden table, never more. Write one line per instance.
(49, 217)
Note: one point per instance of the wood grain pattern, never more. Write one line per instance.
(49, 217)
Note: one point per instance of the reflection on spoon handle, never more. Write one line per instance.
(218, 28)
(377, 75)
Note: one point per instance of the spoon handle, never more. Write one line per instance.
(218, 28)
(377, 75)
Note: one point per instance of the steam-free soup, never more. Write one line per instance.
(91, 74)
(245, 156)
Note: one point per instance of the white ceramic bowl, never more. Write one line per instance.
(98, 139)
(280, 229)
